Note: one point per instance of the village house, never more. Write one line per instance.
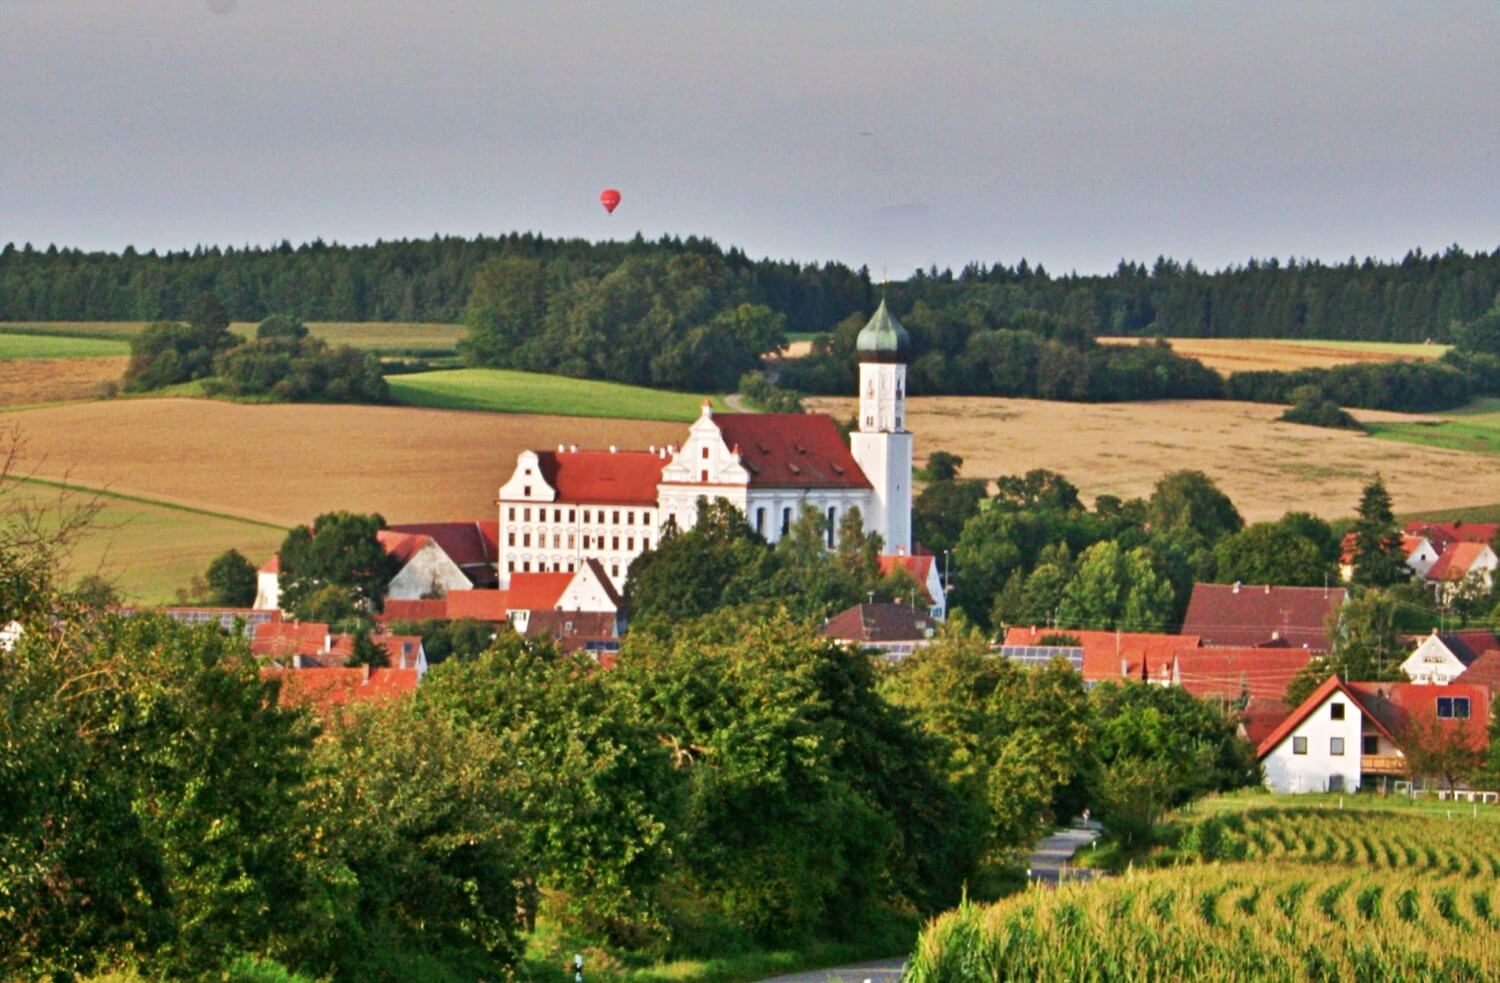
(312, 645)
(923, 569)
(1108, 656)
(1257, 615)
(1441, 658)
(1449, 557)
(326, 690)
(1345, 735)
(892, 630)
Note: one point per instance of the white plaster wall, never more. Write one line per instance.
(585, 593)
(1420, 560)
(429, 570)
(1431, 662)
(885, 458)
(1288, 772)
(267, 591)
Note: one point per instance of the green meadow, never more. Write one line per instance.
(147, 549)
(1475, 427)
(18, 345)
(509, 391)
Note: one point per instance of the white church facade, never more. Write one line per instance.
(563, 507)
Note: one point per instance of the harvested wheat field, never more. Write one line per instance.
(1230, 355)
(285, 464)
(1267, 467)
(27, 381)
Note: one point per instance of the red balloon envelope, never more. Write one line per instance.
(610, 199)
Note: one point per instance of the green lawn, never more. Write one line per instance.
(385, 337)
(14, 345)
(147, 549)
(1248, 799)
(1475, 427)
(508, 391)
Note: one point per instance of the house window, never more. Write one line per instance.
(760, 521)
(512, 514)
(570, 540)
(645, 518)
(616, 519)
(526, 566)
(833, 514)
(510, 566)
(586, 516)
(646, 543)
(1453, 707)
(630, 543)
(510, 539)
(614, 542)
(526, 492)
(526, 539)
(786, 520)
(614, 570)
(705, 452)
(571, 513)
(1369, 744)
(557, 515)
(1299, 745)
(1336, 745)
(585, 542)
(1335, 711)
(630, 518)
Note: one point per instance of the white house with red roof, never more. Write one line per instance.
(1442, 657)
(923, 569)
(562, 508)
(1344, 734)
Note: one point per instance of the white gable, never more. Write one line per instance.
(1322, 753)
(429, 571)
(704, 458)
(526, 482)
(585, 592)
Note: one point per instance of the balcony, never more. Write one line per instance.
(1382, 764)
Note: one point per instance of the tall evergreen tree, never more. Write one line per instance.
(1378, 560)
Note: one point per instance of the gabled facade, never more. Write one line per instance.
(560, 509)
(1347, 734)
(924, 570)
(1439, 659)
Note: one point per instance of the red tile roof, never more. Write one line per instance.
(603, 477)
(1456, 561)
(401, 651)
(920, 567)
(481, 605)
(403, 546)
(1347, 551)
(1392, 708)
(466, 543)
(1228, 673)
(1245, 614)
(273, 565)
(324, 690)
(420, 610)
(1113, 655)
(1261, 717)
(280, 639)
(536, 591)
(1483, 671)
(880, 623)
(573, 630)
(1397, 706)
(1464, 532)
(791, 450)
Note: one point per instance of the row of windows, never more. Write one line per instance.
(554, 566)
(1369, 744)
(829, 534)
(588, 515)
(559, 541)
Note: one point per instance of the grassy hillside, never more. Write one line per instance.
(385, 337)
(16, 346)
(507, 391)
(1475, 427)
(148, 549)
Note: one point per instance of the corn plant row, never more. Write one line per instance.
(1289, 921)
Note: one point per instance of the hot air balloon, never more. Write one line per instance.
(610, 199)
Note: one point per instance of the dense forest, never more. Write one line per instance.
(430, 280)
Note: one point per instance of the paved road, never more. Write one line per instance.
(1048, 865)
(1049, 861)
(884, 971)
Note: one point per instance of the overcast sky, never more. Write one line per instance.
(894, 134)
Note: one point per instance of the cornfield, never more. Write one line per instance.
(1317, 896)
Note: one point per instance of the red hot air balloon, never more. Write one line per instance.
(610, 199)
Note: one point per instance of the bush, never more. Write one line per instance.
(1321, 413)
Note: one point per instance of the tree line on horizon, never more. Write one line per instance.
(1414, 299)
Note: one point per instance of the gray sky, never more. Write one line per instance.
(891, 133)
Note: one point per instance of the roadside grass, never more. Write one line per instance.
(19, 345)
(146, 548)
(1475, 428)
(384, 337)
(509, 391)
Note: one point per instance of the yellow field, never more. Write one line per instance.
(29, 381)
(284, 464)
(1230, 355)
(1266, 467)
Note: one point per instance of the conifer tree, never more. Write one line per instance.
(1378, 560)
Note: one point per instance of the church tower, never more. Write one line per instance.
(882, 444)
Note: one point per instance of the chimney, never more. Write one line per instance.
(559, 448)
(1236, 586)
(573, 448)
(613, 448)
(366, 673)
(1268, 588)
